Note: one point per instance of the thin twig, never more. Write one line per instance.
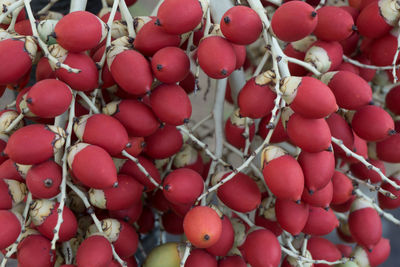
(371, 186)
(10, 9)
(89, 102)
(261, 64)
(200, 122)
(47, 7)
(306, 65)
(126, 14)
(366, 66)
(185, 254)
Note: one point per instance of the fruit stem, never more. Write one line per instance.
(14, 18)
(10, 9)
(185, 254)
(126, 14)
(47, 7)
(366, 66)
(89, 102)
(77, 5)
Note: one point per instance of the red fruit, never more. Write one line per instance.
(225, 242)
(279, 134)
(291, 217)
(325, 56)
(183, 186)
(362, 172)
(350, 90)
(359, 147)
(92, 166)
(283, 175)
(240, 52)
(342, 188)
(79, 31)
(190, 15)
(23, 27)
(372, 23)
(392, 99)
(323, 249)
(152, 38)
(102, 130)
(366, 74)
(380, 253)
(130, 168)
(261, 248)
(311, 135)
(10, 228)
(388, 45)
(320, 222)
(9, 170)
(130, 214)
(170, 65)
(49, 98)
(11, 193)
(43, 180)
(364, 223)
(334, 24)
(320, 198)
(269, 222)
(106, 75)
(158, 201)
(308, 97)
(293, 21)
(165, 142)
(44, 70)
(19, 59)
(345, 206)
(241, 193)
(34, 143)
(235, 127)
(340, 129)
(256, 99)
(135, 146)
(126, 242)
(188, 84)
(3, 144)
(350, 46)
(44, 216)
(190, 158)
(386, 202)
(123, 196)
(146, 221)
(389, 149)
(372, 123)
(35, 247)
(172, 223)
(203, 226)
(200, 258)
(86, 80)
(343, 232)
(136, 79)
(241, 25)
(171, 104)
(216, 57)
(346, 250)
(145, 123)
(232, 261)
(94, 251)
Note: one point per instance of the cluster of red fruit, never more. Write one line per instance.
(107, 153)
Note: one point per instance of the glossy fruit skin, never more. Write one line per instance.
(370, 23)
(190, 16)
(183, 186)
(342, 188)
(318, 168)
(68, 228)
(43, 70)
(145, 122)
(79, 31)
(94, 167)
(136, 79)
(86, 80)
(291, 216)
(94, 251)
(350, 90)
(320, 198)
(386, 202)
(240, 193)
(320, 222)
(202, 226)
(340, 129)
(284, 177)
(170, 65)
(199, 258)
(133, 170)
(127, 242)
(164, 142)
(151, 38)
(216, 57)
(49, 98)
(241, 25)
(234, 133)
(225, 242)
(43, 180)
(365, 226)
(13, 51)
(311, 135)
(323, 249)
(261, 248)
(388, 45)
(287, 18)
(372, 123)
(106, 132)
(35, 247)
(334, 24)
(380, 253)
(255, 100)
(11, 227)
(388, 149)
(31, 144)
(171, 104)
